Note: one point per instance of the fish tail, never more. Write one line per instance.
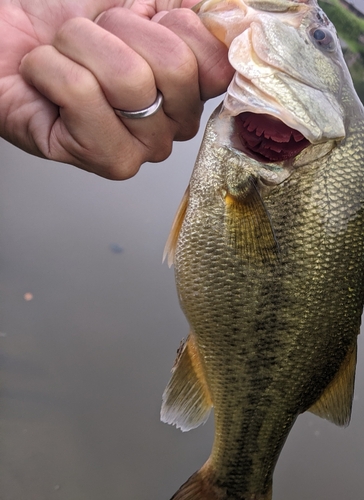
(202, 485)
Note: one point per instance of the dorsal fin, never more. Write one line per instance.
(186, 400)
(249, 227)
(171, 244)
(336, 401)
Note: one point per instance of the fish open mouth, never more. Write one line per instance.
(268, 139)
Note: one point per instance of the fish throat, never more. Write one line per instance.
(266, 138)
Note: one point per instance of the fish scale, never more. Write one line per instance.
(269, 264)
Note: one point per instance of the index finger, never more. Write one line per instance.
(215, 71)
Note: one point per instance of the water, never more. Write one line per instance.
(89, 328)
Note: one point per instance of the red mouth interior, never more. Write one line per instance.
(268, 139)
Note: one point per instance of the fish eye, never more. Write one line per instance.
(319, 34)
(323, 38)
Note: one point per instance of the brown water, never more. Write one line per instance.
(83, 364)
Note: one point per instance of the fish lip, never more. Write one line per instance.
(266, 138)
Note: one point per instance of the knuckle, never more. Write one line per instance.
(136, 81)
(182, 65)
(120, 165)
(125, 163)
(215, 75)
(31, 59)
(188, 131)
(79, 83)
(181, 61)
(111, 18)
(101, 157)
(70, 30)
(184, 18)
(120, 171)
(157, 151)
(116, 167)
(64, 81)
(162, 154)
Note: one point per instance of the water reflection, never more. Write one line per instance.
(85, 361)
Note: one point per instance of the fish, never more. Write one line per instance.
(268, 246)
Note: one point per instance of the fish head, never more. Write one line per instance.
(286, 94)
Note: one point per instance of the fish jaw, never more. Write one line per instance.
(301, 86)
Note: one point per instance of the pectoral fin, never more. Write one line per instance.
(249, 227)
(171, 245)
(336, 401)
(186, 400)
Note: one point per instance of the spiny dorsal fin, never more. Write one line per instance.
(171, 245)
(336, 401)
(186, 400)
(249, 227)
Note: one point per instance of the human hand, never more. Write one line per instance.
(58, 103)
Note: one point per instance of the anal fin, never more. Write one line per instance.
(186, 399)
(171, 244)
(203, 485)
(249, 227)
(336, 401)
(200, 486)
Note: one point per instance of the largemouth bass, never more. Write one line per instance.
(268, 246)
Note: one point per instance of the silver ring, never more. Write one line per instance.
(142, 113)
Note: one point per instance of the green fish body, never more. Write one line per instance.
(268, 247)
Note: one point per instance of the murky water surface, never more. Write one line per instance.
(89, 327)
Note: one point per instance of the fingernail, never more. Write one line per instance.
(157, 17)
(22, 60)
(98, 17)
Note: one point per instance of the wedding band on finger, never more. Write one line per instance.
(142, 113)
